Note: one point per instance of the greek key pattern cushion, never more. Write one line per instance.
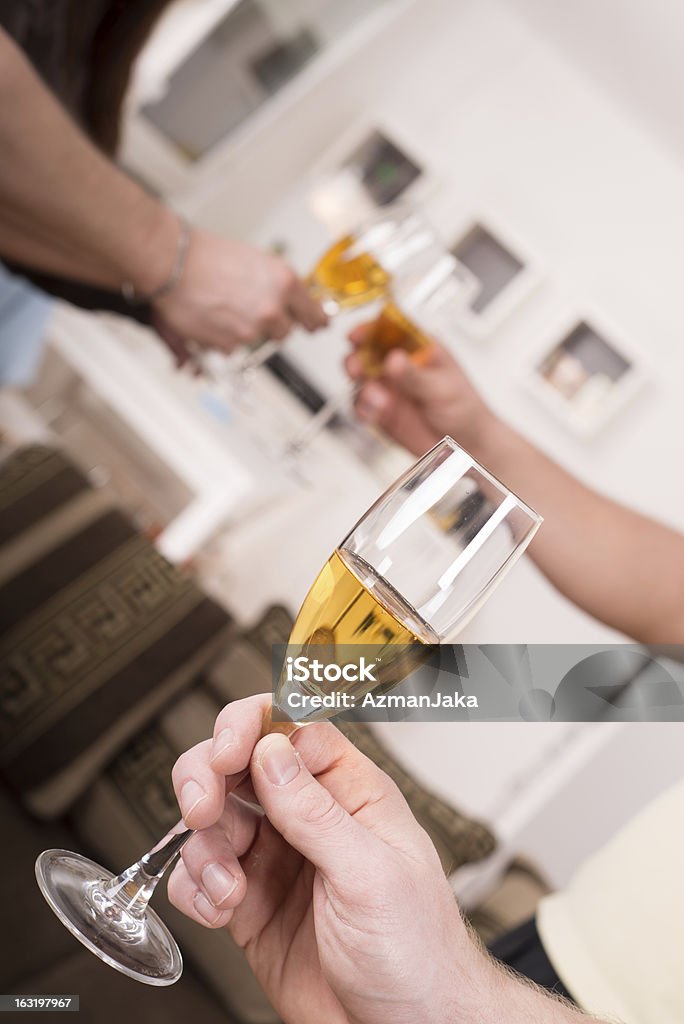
(97, 629)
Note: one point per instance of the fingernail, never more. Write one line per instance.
(191, 795)
(371, 410)
(397, 359)
(375, 399)
(225, 739)
(218, 883)
(205, 909)
(365, 413)
(279, 761)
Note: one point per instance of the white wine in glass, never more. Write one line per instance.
(392, 329)
(348, 611)
(359, 267)
(413, 571)
(423, 300)
(347, 275)
(354, 271)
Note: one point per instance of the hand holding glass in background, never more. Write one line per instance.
(421, 301)
(356, 270)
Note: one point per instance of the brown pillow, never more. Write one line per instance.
(97, 629)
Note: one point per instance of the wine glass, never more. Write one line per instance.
(423, 301)
(355, 270)
(413, 571)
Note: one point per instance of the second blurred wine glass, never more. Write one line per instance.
(421, 302)
(356, 270)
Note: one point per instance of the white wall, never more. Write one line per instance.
(630, 48)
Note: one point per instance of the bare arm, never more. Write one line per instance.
(623, 568)
(64, 208)
(67, 210)
(514, 1000)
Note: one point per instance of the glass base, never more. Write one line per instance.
(138, 945)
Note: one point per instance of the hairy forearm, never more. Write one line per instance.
(64, 208)
(619, 566)
(517, 1001)
(492, 994)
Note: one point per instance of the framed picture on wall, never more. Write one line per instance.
(586, 375)
(503, 266)
(368, 167)
(385, 169)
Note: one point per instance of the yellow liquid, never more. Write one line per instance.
(349, 611)
(391, 330)
(350, 279)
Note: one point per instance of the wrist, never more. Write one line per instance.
(482, 434)
(492, 993)
(474, 991)
(153, 254)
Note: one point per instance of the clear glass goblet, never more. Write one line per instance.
(414, 570)
(354, 271)
(423, 302)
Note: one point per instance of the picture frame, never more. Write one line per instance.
(369, 166)
(586, 374)
(504, 264)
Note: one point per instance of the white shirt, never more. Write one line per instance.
(615, 936)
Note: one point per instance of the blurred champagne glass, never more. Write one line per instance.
(423, 301)
(356, 270)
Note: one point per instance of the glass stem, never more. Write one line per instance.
(255, 357)
(320, 420)
(134, 886)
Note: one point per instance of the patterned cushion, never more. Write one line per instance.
(97, 630)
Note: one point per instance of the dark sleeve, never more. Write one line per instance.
(83, 295)
(522, 950)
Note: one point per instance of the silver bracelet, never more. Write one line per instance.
(182, 246)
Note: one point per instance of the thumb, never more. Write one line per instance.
(415, 380)
(305, 813)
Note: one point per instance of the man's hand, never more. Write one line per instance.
(416, 405)
(335, 892)
(325, 879)
(231, 293)
(67, 210)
